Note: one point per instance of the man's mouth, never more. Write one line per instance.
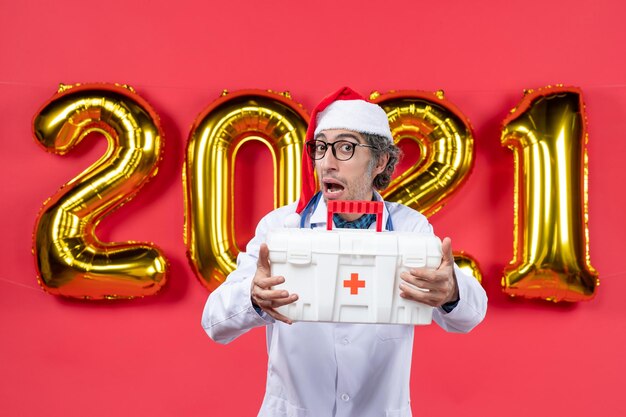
(332, 187)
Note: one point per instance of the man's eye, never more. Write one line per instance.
(346, 147)
(320, 147)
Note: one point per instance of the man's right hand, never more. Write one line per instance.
(262, 295)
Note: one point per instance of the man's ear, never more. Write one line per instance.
(382, 164)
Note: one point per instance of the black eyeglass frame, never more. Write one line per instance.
(312, 145)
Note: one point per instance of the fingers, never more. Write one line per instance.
(269, 304)
(266, 282)
(263, 295)
(431, 287)
(272, 298)
(423, 278)
(264, 259)
(262, 292)
(269, 300)
(416, 294)
(277, 316)
(446, 251)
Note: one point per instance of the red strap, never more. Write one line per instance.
(355, 206)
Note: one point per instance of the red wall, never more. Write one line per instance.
(150, 357)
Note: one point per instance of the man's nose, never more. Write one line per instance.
(328, 161)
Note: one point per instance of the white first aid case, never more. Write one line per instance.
(351, 276)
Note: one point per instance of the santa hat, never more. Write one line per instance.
(343, 109)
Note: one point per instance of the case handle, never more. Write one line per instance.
(355, 206)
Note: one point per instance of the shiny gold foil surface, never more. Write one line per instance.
(547, 133)
(70, 259)
(215, 138)
(446, 143)
(468, 264)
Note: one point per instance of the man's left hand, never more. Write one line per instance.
(434, 287)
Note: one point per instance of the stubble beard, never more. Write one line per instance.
(359, 189)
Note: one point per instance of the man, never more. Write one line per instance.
(337, 369)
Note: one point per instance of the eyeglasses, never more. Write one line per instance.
(342, 149)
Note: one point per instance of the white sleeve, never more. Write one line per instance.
(228, 312)
(471, 308)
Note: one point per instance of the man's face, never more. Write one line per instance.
(351, 179)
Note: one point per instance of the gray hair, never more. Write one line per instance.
(381, 146)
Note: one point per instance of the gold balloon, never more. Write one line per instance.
(71, 261)
(468, 264)
(548, 135)
(445, 139)
(217, 134)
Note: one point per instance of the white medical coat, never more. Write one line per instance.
(332, 369)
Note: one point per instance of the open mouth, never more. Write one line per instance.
(332, 187)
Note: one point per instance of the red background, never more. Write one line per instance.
(150, 357)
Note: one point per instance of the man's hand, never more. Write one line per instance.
(436, 287)
(261, 293)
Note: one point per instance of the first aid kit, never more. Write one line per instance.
(351, 275)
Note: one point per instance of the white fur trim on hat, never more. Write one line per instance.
(356, 115)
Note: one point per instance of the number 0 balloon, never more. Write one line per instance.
(215, 138)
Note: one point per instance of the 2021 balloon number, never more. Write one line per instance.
(547, 133)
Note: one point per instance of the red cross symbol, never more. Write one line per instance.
(353, 283)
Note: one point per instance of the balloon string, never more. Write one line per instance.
(425, 88)
(612, 275)
(19, 284)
